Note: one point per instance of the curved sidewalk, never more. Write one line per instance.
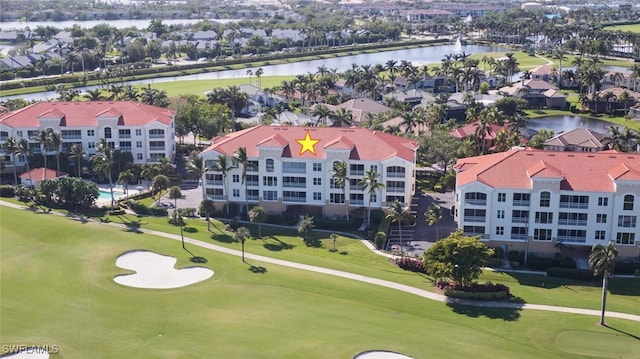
(381, 282)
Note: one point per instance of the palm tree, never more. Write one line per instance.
(603, 260)
(148, 172)
(240, 156)
(258, 215)
(223, 164)
(125, 178)
(370, 186)
(433, 215)
(196, 166)
(25, 150)
(340, 179)
(322, 112)
(341, 118)
(103, 161)
(174, 194)
(242, 234)
(42, 138)
(160, 183)
(399, 214)
(11, 146)
(55, 141)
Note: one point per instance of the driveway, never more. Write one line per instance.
(424, 235)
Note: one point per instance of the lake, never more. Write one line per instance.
(565, 123)
(432, 54)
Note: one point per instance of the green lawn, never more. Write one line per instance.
(57, 289)
(630, 27)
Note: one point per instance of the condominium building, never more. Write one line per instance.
(144, 130)
(290, 169)
(532, 200)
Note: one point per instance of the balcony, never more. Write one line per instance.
(125, 135)
(572, 222)
(253, 184)
(520, 219)
(214, 183)
(395, 174)
(574, 205)
(252, 197)
(356, 173)
(395, 189)
(520, 237)
(155, 135)
(294, 185)
(474, 219)
(125, 148)
(476, 202)
(215, 196)
(156, 148)
(294, 199)
(521, 203)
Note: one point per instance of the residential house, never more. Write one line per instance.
(289, 169)
(144, 130)
(533, 200)
(576, 140)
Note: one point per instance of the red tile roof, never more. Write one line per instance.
(85, 114)
(579, 171)
(37, 174)
(470, 129)
(363, 143)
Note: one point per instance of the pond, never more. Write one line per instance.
(565, 123)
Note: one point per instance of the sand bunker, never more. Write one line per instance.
(157, 271)
(380, 354)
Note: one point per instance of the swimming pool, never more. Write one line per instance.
(105, 194)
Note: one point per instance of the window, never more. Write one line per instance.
(317, 167)
(294, 167)
(501, 214)
(625, 238)
(500, 231)
(235, 178)
(336, 198)
(269, 195)
(252, 166)
(521, 199)
(475, 198)
(156, 145)
(317, 196)
(156, 133)
(473, 230)
(253, 194)
(502, 197)
(252, 180)
(544, 217)
(91, 133)
(395, 171)
(572, 235)
(627, 221)
(601, 218)
(545, 199)
(125, 145)
(269, 163)
(355, 169)
(567, 201)
(138, 144)
(138, 132)
(139, 156)
(269, 181)
(236, 192)
(32, 134)
(215, 193)
(474, 215)
(317, 181)
(71, 134)
(107, 132)
(19, 133)
(541, 234)
(518, 216)
(124, 133)
(628, 203)
(91, 144)
(518, 232)
(395, 186)
(295, 182)
(373, 198)
(603, 201)
(573, 219)
(600, 235)
(374, 168)
(333, 185)
(356, 198)
(294, 196)
(391, 199)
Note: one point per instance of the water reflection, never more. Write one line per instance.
(565, 123)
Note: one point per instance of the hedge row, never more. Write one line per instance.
(475, 295)
(410, 264)
(573, 273)
(7, 191)
(141, 208)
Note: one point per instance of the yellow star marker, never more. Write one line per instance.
(307, 144)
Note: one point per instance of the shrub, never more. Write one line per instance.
(515, 256)
(7, 191)
(332, 224)
(573, 273)
(486, 291)
(476, 296)
(568, 262)
(410, 264)
(157, 211)
(186, 212)
(627, 267)
(380, 239)
(540, 263)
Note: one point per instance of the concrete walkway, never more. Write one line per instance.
(380, 282)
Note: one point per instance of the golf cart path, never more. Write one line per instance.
(361, 278)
